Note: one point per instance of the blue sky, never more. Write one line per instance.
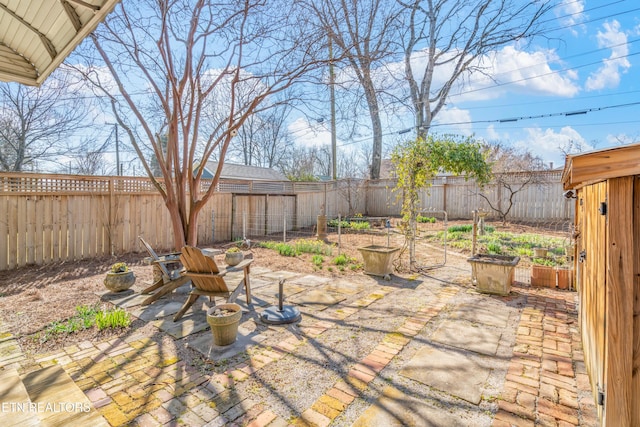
(577, 87)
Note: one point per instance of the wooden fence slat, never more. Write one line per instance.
(47, 243)
(30, 232)
(4, 233)
(21, 232)
(65, 253)
(39, 230)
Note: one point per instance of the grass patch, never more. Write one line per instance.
(295, 248)
(353, 225)
(86, 317)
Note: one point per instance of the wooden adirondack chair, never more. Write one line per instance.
(168, 280)
(208, 279)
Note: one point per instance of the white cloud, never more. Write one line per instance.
(456, 120)
(571, 13)
(310, 134)
(506, 71)
(549, 144)
(491, 134)
(532, 73)
(608, 75)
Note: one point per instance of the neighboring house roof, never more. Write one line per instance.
(37, 35)
(243, 172)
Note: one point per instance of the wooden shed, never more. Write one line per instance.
(606, 187)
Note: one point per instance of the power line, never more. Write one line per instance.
(509, 120)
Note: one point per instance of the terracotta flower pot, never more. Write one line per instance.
(118, 282)
(224, 320)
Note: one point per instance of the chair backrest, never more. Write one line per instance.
(206, 270)
(149, 249)
(155, 257)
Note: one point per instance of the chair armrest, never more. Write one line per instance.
(243, 265)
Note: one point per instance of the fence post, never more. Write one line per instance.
(339, 236)
(244, 225)
(213, 225)
(112, 214)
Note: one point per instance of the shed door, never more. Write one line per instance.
(592, 270)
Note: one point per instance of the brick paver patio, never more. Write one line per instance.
(141, 380)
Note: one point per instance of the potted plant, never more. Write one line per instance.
(119, 277)
(224, 320)
(233, 256)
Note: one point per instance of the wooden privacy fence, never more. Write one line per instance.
(49, 218)
(539, 202)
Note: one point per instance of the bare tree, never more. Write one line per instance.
(89, 158)
(36, 123)
(307, 163)
(457, 34)
(264, 140)
(514, 171)
(172, 61)
(364, 34)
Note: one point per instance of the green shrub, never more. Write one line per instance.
(359, 225)
(460, 228)
(341, 259)
(310, 246)
(543, 261)
(317, 260)
(283, 249)
(426, 219)
(334, 223)
(494, 248)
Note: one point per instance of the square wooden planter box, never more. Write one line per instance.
(543, 275)
(565, 278)
(378, 260)
(493, 274)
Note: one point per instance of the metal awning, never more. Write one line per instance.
(37, 35)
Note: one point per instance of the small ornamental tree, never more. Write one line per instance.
(418, 161)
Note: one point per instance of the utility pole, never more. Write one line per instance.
(118, 153)
(332, 92)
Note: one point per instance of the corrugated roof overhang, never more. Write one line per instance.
(37, 35)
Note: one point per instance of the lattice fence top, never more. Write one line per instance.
(28, 183)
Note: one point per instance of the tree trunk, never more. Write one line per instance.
(376, 126)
